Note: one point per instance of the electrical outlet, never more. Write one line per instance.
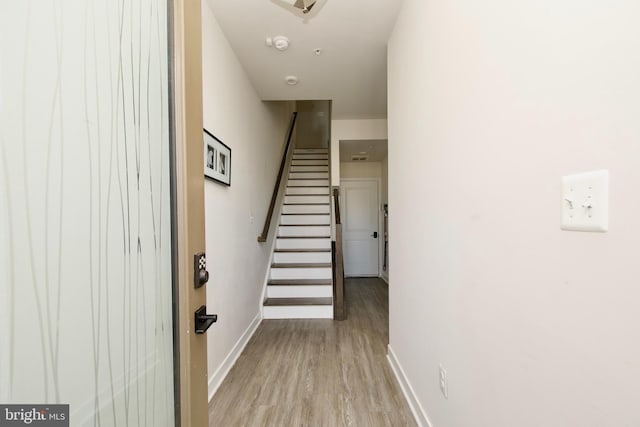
(444, 382)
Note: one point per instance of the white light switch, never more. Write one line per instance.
(585, 201)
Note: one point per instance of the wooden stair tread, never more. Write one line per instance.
(304, 225)
(301, 265)
(306, 179)
(297, 301)
(301, 250)
(303, 237)
(300, 282)
(305, 213)
(303, 204)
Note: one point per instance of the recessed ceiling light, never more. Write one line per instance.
(291, 80)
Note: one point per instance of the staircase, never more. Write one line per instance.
(300, 284)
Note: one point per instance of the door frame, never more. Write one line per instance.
(187, 190)
(380, 224)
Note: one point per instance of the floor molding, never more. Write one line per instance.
(221, 373)
(385, 279)
(416, 408)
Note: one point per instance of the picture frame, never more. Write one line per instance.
(217, 159)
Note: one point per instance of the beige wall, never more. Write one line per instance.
(235, 215)
(384, 174)
(490, 104)
(350, 130)
(360, 169)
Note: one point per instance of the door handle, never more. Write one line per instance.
(202, 320)
(375, 235)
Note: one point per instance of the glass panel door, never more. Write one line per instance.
(85, 230)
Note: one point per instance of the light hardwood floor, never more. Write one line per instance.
(317, 372)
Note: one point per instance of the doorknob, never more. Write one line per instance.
(375, 235)
(203, 320)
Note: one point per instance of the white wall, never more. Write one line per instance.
(352, 129)
(490, 103)
(255, 131)
(360, 170)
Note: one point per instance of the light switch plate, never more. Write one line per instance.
(585, 201)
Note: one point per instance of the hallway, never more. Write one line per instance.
(317, 372)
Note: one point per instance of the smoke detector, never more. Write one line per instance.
(279, 42)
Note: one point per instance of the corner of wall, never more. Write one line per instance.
(215, 379)
(417, 410)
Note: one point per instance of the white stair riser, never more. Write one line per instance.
(303, 243)
(301, 257)
(310, 162)
(301, 231)
(300, 273)
(305, 219)
(309, 169)
(306, 175)
(323, 191)
(275, 291)
(308, 182)
(315, 209)
(311, 151)
(306, 199)
(298, 312)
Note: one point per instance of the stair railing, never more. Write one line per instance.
(339, 304)
(276, 188)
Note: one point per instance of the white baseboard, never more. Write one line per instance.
(221, 373)
(418, 411)
(385, 278)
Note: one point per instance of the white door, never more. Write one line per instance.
(360, 227)
(85, 212)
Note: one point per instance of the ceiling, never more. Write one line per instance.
(352, 35)
(374, 150)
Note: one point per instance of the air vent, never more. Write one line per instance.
(359, 158)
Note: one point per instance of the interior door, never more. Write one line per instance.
(86, 259)
(360, 227)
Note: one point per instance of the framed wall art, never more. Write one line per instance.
(217, 159)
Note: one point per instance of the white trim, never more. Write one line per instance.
(385, 278)
(221, 373)
(298, 312)
(410, 395)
